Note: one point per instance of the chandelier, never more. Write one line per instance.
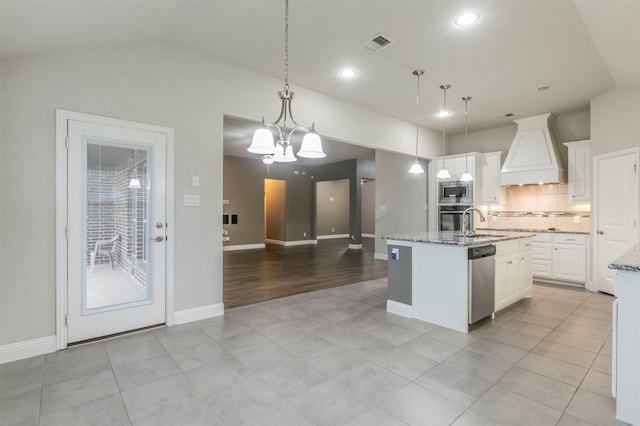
(282, 150)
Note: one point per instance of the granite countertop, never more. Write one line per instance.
(630, 261)
(455, 239)
(554, 231)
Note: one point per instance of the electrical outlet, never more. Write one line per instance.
(333, 229)
(304, 234)
(576, 219)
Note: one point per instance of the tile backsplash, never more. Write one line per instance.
(540, 207)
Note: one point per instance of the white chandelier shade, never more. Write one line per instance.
(262, 142)
(311, 146)
(284, 154)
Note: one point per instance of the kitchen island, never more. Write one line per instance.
(626, 345)
(429, 274)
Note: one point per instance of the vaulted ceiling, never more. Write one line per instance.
(578, 48)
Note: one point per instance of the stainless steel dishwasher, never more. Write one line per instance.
(482, 274)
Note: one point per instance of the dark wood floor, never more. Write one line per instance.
(252, 276)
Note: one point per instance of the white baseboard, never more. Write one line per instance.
(368, 235)
(243, 247)
(331, 236)
(291, 243)
(381, 256)
(199, 313)
(27, 349)
(401, 309)
(355, 246)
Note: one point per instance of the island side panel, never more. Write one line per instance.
(400, 278)
(440, 288)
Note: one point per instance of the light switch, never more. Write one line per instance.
(195, 181)
(191, 201)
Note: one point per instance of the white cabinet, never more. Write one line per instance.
(579, 157)
(513, 279)
(492, 192)
(457, 165)
(560, 257)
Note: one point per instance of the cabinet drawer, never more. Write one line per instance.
(542, 251)
(543, 238)
(525, 245)
(507, 247)
(541, 268)
(570, 238)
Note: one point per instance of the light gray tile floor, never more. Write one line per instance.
(333, 357)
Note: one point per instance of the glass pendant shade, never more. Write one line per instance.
(284, 156)
(311, 146)
(135, 183)
(262, 142)
(444, 173)
(466, 177)
(416, 168)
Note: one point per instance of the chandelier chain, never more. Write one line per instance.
(286, 45)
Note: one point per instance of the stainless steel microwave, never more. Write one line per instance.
(455, 192)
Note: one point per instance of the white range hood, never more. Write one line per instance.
(533, 157)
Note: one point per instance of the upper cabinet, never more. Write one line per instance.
(579, 171)
(457, 164)
(492, 192)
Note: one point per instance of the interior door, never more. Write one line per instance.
(617, 216)
(117, 221)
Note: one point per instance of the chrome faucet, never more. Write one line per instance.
(466, 232)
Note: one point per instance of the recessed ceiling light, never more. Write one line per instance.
(467, 18)
(348, 73)
(542, 88)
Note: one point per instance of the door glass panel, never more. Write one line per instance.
(116, 226)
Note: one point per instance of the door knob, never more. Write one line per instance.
(159, 225)
(600, 232)
(158, 239)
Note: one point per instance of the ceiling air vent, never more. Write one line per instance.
(377, 42)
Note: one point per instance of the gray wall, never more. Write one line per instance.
(615, 121)
(369, 207)
(244, 188)
(401, 197)
(276, 206)
(332, 207)
(155, 83)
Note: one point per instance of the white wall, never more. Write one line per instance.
(153, 83)
(615, 121)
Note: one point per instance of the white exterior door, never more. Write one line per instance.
(617, 213)
(116, 210)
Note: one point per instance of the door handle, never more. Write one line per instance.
(159, 225)
(158, 239)
(600, 232)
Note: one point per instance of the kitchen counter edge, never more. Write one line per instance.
(630, 261)
(537, 231)
(451, 240)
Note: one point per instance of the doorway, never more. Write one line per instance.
(114, 208)
(275, 208)
(616, 214)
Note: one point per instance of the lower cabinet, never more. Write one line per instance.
(561, 257)
(513, 272)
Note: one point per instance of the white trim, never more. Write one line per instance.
(381, 256)
(331, 236)
(199, 313)
(355, 246)
(592, 281)
(368, 235)
(401, 309)
(243, 247)
(290, 243)
(61, 212)
(27, 349)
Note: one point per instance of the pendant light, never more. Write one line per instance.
(466, 176)
(282, 151)
(416, 168)
(134, 183)
(444, 173)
